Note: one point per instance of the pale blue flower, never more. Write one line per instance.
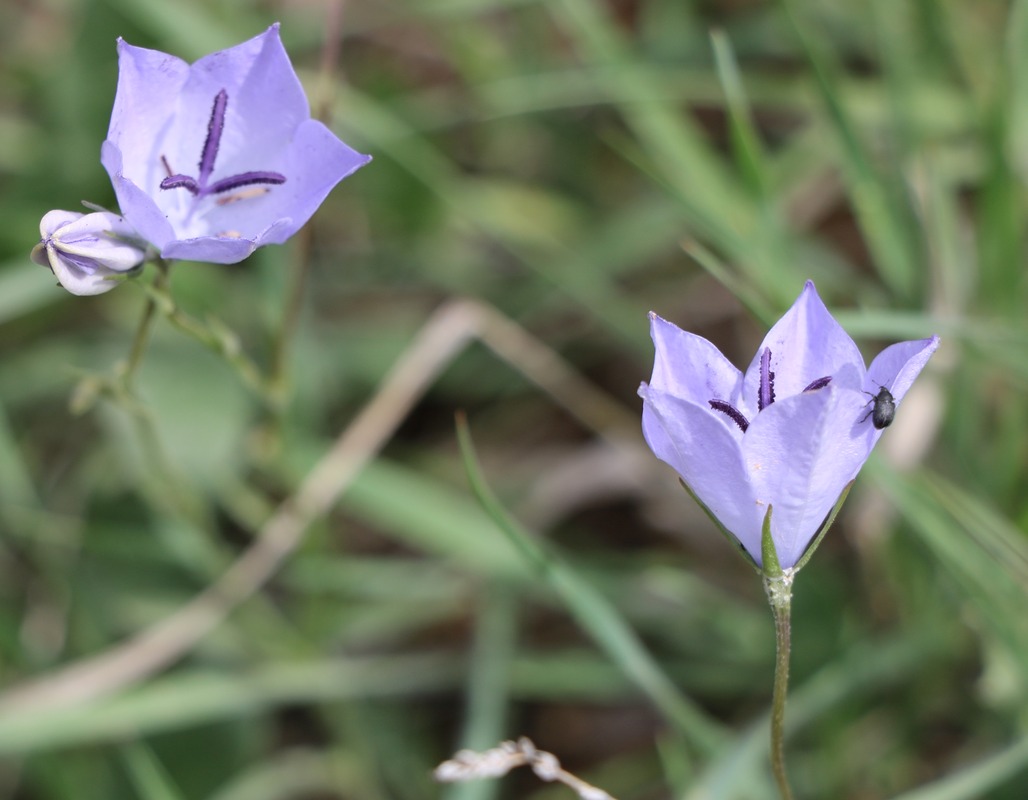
(210, 161)
(791, 432)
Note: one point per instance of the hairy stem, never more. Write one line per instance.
(143, 330)
(779, 591)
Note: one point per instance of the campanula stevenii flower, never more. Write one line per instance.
(85, 251)
(790, 433)
(210, 161)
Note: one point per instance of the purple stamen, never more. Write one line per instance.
(214, 130)
(820, 383)
(766, 395)
(181, 182)
(198, 186)
(244, 179)
(732, 412)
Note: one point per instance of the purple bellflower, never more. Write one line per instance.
(210, 161)
(88, 251)
(789, 434)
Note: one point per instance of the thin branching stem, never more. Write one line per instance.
(145, 327)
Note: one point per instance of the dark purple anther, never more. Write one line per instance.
(731, 411)
(214, 130)
(181, 182)
(766, 395)
(244, 179)
(820, 383)
(198, 186)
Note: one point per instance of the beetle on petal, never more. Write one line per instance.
(789, 433)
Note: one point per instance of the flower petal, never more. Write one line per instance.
(85, 251)
(899, 364)
(315, 161)
(800, 453)
(211, 249)
(703, 451)
(78, 277)
(149, 83)
(53, 221)
(806, 344)
(136, 205)
(101, 237)
(271, 101)
(690, 367)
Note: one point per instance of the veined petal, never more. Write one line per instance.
(272, 99)
(315, 161)
(899, 364)
(211, 249)
(806, 344)
(149, 83)
(703, 451)
(53, 221)
(801, 452)
(690, 367)
(147, 217)
(85, 251)
(257, 121)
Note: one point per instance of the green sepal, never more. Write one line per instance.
(732, 540)
(824, 527)
(768, 552)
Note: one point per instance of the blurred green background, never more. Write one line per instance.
(571, 164)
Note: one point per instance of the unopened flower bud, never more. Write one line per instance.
(85, 250)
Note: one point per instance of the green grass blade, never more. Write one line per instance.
(595, 614)
(488, 685)
(977, 780)
(147, 774)
(745, 140)
(883, 219)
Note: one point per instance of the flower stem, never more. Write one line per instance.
(142, 337)
(278, 378)
(779, 592)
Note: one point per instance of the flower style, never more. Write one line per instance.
(86, 251)
(791, 433)
(263, 165)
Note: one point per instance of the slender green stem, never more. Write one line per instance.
(779, 592)
(291, 314)
(142, 337)
(302, 254)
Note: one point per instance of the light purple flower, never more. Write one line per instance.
(86, 251)
(791, 433)
(212, 160)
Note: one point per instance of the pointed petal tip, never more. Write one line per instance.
(273, 31)
(810, 289)
(657, 319)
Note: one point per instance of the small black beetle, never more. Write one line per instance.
(884, 409)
